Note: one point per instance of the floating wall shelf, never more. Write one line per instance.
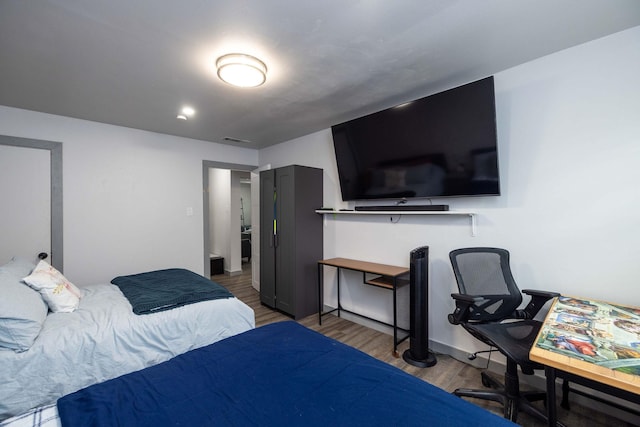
(471, 215)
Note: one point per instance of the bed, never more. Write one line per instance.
(101, 338)
(281, 374)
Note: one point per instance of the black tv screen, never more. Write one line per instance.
(443, 145)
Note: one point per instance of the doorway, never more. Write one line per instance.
(28, 228)
(229, 216)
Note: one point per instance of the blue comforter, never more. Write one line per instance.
(166, 289)
(281, 374)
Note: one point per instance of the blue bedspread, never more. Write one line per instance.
(166, 289)
(281, 374)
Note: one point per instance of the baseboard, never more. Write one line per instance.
(364, 322)
(233, 273)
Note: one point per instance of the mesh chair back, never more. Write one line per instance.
(485, 272)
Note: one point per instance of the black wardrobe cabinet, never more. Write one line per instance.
(290, 238)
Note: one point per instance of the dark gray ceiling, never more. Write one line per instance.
(134, 63)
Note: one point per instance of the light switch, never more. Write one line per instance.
(189, 211)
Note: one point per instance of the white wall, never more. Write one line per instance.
(126, 193)
(569, 150)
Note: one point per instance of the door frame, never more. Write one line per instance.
(55, 149)
(206, 165)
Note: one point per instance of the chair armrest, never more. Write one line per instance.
(463, 305)
(538, 300)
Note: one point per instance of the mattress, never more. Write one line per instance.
(104, 339)
(281, 374)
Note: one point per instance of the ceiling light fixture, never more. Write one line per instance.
(239, 69)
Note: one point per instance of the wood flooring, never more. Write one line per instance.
(447, 374)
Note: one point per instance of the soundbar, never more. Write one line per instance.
(395, 208)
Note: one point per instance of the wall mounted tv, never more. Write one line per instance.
(443, 145)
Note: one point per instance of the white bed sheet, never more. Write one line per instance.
(43, 416)
(104, 339)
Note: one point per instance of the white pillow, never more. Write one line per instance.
(60, 294)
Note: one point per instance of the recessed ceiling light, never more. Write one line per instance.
(239, 69)
(405, 104)
(188, 111)
(185, 113)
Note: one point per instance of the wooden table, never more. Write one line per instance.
(387, 277)
(593, 343)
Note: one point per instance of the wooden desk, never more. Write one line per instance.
(593, 343)
(388, 277)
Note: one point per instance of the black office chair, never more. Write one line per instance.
(488, 296)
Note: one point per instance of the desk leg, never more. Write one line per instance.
(338, 284)
(320, 292)
(550, 374)
(395, 320)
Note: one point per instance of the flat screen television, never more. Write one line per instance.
(443, 145)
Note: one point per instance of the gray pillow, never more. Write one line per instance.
(22, 309)
(19, 267)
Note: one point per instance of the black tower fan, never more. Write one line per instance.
(418, 353)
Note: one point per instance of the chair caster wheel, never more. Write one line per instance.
(485, 382)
